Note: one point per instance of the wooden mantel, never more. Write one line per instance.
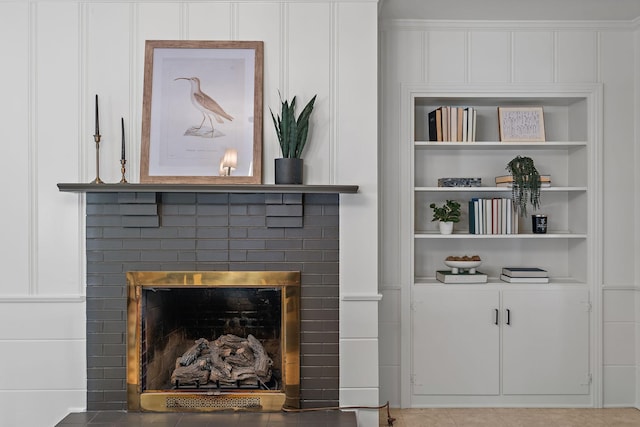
(205, 188)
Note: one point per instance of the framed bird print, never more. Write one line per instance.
(202, 112)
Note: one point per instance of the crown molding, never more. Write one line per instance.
(519, 25)
(55, 299)
(190, 1)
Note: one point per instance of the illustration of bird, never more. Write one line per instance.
(205, 104)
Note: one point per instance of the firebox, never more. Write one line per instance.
(213, 340)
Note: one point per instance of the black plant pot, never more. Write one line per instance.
(288, 171)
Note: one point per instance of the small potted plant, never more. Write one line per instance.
(292, 135)
(526, 184)
(447, 215)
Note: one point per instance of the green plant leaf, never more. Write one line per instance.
(292, 133)
(303, 125)
(449, 211)
(526, 184)
(276, 124)
(286, 127)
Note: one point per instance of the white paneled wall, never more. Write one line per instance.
(44, 338)
(15, 131)
(490, 56)
(109, 71)
(446, 56)
(619, 353)
(504, 53)
(637, 209)
(637, 346)
(577, 56)
(616, 69)
(58, 55)
(533, 56)
(355, 128)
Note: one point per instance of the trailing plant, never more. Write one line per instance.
(448, 212)
(526, 184)
(292, 132)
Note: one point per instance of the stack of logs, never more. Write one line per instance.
(229, 361)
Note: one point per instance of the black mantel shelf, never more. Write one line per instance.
(205, 188)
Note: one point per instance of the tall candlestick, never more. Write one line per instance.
(122, 121)
(97, 120)
(96, 138)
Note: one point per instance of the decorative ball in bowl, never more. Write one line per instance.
(460, 264)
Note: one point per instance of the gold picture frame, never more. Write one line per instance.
(202, 112)
(521, 124)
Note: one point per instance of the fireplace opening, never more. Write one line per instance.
(213, 340)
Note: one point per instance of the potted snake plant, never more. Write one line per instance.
(292, 135)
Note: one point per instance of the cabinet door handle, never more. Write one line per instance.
(508, 317)
(497, 315)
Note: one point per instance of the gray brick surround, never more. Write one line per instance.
(205, 231)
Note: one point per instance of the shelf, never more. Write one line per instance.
(556, 235)
(566, 155)
(490, 99)
(205, 188)
(491, 189)
(498, 144)
(560, 281)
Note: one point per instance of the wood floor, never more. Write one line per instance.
(512, 417)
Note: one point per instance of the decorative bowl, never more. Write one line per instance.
(457, 266)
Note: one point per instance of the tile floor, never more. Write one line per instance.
(212, 419)
(431, 417)
(512, 417)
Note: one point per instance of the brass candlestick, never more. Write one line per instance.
(96, 137)
(123, 170)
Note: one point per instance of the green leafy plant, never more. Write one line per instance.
(448, 212)
(292, 132)
(526, 184)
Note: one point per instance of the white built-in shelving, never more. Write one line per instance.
(569, 251)
(566, 156)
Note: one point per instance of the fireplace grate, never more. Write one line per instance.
(222, 402)
(217, 385)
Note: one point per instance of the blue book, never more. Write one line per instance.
(472, 218)
(433, 126)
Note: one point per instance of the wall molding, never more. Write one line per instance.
(43, 299)
(334, 64)
(360, 297)
(457, 25)
(620, 288)
(33, 149)
(200, 1)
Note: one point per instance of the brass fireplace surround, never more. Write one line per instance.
(177, 400)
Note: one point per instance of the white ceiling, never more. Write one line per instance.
(616, 10)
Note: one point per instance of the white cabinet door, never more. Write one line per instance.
(545, 343)
(455, 341)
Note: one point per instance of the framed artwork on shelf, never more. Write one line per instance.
(202, 112)
(521, 124)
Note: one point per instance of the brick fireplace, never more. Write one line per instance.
(164, 231)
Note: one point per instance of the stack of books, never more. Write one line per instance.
(453, 124)
(492, 216)
(524, 275)
(446, 276)
(507, 181)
